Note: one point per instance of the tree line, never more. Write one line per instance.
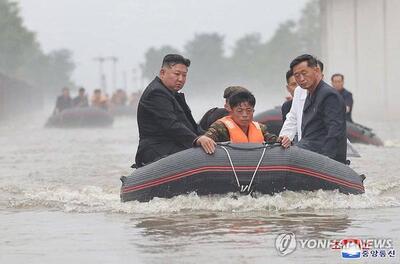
(22, 58)
(252, 61)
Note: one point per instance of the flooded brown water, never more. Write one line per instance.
(59, 203)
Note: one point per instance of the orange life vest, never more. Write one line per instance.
(237, 135)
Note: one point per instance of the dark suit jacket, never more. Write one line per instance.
(63, 103)
(80, 102)
(165, 122)
(324, 123)
(348, 100)
(286, 109)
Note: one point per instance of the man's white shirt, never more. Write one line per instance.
(292, 124)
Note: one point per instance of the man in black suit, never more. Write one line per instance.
(63, 102)
(81, 100)
(165, 122)
(324, 114)
(338, 83)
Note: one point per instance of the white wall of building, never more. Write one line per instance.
(361, 39)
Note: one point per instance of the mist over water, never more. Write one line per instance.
(63, 185)
(60, 188)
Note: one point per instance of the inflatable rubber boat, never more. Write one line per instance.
(272, 118)
(243, 168)
(81, 117)
(356, 133)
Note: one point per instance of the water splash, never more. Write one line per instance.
(392, 143)
(96, 199)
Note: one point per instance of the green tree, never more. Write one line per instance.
(276, 55)
(289, 40)
(252, 61)
(243, 63)
(153, 60)
(16, 42)
(21, 56)
(309, 28)
(206, 51)
(48, 72)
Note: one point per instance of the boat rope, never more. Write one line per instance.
(244, 188)
(233, 167)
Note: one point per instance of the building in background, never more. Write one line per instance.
(361, 39)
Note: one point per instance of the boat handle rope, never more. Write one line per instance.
(244, 188)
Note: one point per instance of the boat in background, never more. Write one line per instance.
(356, 133)
(123, 110)
(81, 117)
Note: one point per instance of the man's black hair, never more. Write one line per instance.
(289, 74)
(321, 65)
(311, 61)
(81, 89)
(336, 75)
(173, 59)
(233, 89)
(242, 97)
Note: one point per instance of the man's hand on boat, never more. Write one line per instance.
(285, 141)
(207, 144)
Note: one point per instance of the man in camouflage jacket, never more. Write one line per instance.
(238, 126)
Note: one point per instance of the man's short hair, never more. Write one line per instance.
(242, 97)
(172, 59)
(321, 65)
(233, 89)
(65, 89)
(336, 75)
(81, 89)
(311, 61)
(289, 74)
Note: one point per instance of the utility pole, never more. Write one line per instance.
(124, 78)
(134, 79)
(102, 79)
(114, 61)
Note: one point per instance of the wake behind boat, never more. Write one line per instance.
(266, 169)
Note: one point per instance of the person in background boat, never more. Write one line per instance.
(119, 97)
(323, 126)
(238, 126)
(291, 128)
(63, 102)
(338, 83)
(291, 85)
(81, 100)
(165, 121)
(99, 100)
(216, 113)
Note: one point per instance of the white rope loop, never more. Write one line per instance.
(243, 188)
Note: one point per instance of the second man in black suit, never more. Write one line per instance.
(324, 115)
